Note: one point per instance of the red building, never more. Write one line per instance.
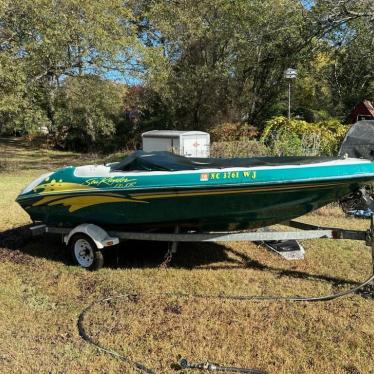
(362, 111)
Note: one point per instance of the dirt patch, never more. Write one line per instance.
(11, 241)
(15, 256)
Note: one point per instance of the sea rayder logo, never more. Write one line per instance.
(113, 182)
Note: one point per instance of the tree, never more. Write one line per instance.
(339, 73)
(48, 41)
(351, 75)
(200, 63)
(88, 109)
(225, 59)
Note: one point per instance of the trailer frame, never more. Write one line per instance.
(99, 238)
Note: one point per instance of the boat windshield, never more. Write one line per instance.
(166, 161)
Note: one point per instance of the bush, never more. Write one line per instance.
(238, 149)
(285, 144)
(297, 137)
(229, 131)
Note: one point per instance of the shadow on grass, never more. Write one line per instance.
(128, 254)
(336, 282)
(16, 141)
(146, 254)
(20, 153)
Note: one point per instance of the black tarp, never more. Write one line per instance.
(152, 161)
(359, 141)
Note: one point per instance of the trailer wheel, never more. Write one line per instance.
(85, 252)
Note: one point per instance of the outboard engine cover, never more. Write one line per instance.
(359, 141)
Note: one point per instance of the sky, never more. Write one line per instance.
(115, 76)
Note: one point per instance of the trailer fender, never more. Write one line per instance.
(100, 237)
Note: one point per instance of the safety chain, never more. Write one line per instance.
(168, 256)
(172, 248)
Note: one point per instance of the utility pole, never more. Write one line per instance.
(290, 74)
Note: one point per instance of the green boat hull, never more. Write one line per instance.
(204, 200)
(233, 212)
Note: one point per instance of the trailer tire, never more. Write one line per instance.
(85, 252)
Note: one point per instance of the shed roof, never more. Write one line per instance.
(364, 108)
(170, 133)
(369, 106)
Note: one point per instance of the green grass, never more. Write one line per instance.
(42, 294)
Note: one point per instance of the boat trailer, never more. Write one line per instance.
(87, 241)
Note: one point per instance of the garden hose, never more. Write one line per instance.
(183, 363)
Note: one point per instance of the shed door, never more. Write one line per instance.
(160, 144)
(195, 146)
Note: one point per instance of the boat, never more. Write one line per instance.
(162, 190)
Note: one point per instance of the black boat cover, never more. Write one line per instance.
(166, 161)
(359, 141)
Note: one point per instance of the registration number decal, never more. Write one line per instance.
(232, 175)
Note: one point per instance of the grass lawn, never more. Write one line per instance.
(42, 294)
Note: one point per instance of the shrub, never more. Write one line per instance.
(285, 144)
(238, 149)
(226, 132)
(297, 137)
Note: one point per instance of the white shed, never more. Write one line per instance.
(184, 143)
